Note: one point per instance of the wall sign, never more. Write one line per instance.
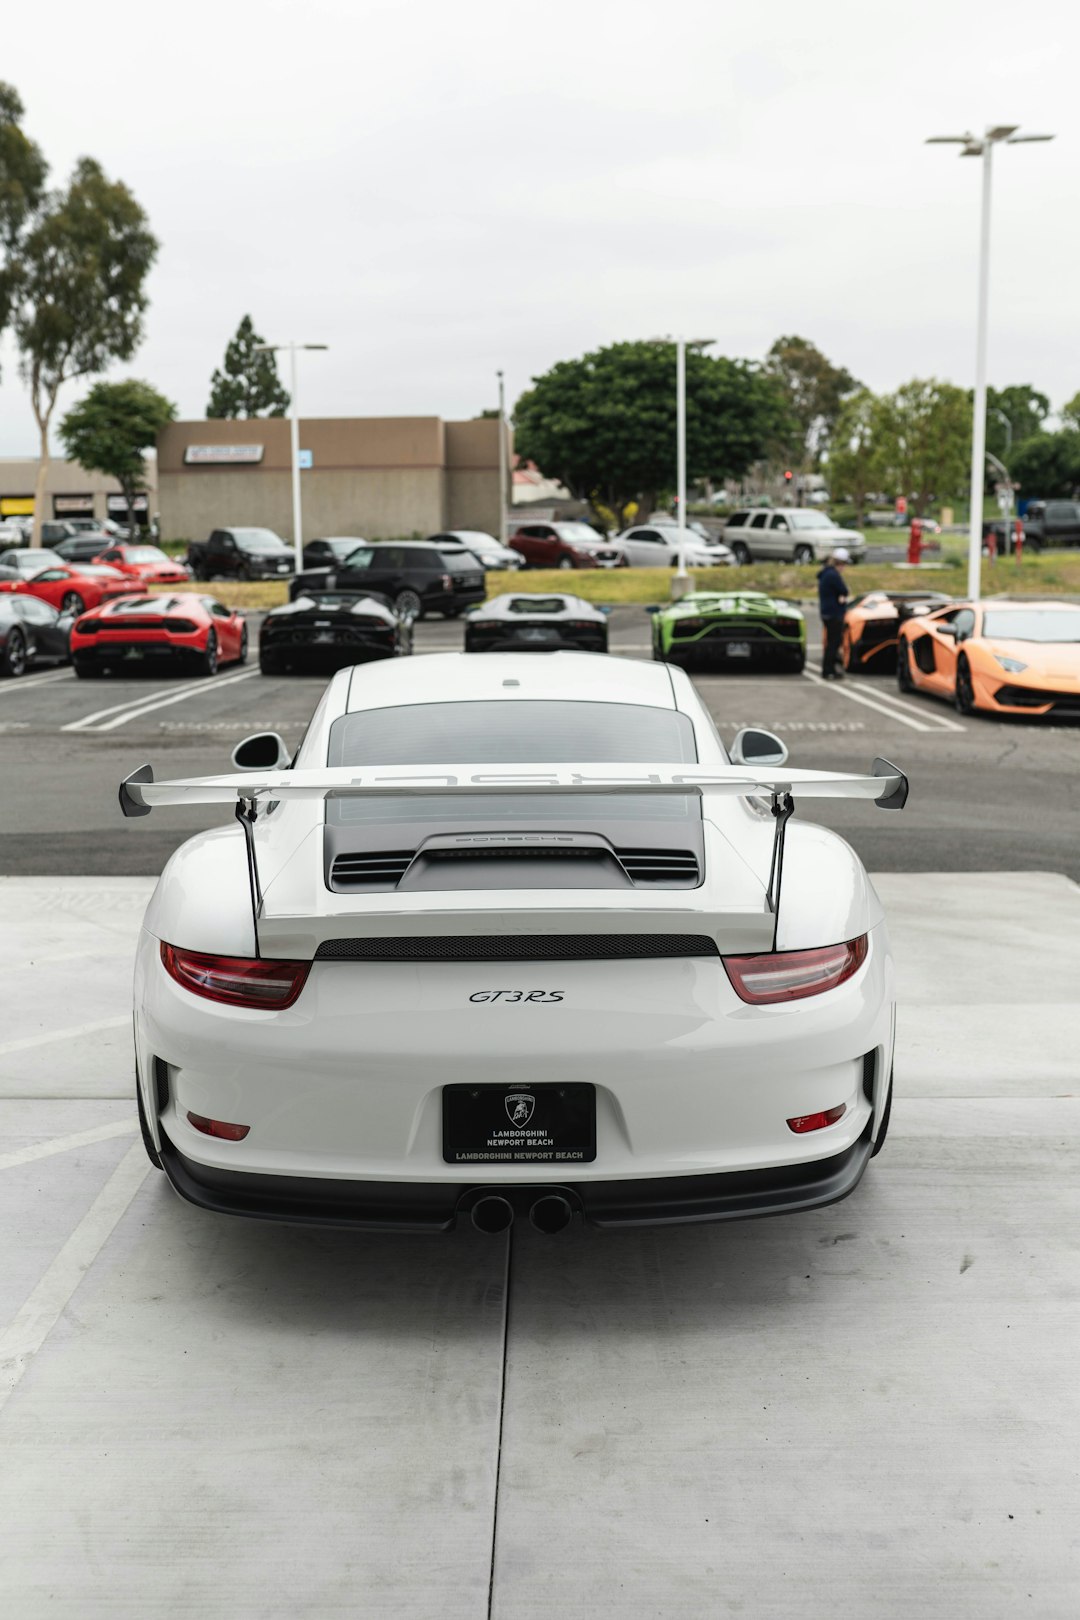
(201, 455)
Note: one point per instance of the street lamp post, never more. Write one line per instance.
(294, 437)
(981, 146)
(681, 576)
(502, 459)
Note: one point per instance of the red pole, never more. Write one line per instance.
(1018, 538)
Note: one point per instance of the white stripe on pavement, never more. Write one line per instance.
(136, 710)
(66, 1144)
(21, 1341)
(929, 712)
(137, 702)
(870, 703)
(25, 1042)
(28, 682)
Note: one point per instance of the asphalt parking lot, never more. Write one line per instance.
(867, 1411)
(66, 744)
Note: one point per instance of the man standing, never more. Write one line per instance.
(832, 601)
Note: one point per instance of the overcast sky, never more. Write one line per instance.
(438, 189)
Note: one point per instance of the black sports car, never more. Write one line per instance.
(331, 628)
(516, 623)
(32, 632)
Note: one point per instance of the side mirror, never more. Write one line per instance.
(754, 747)
(265, 751)
(945, 629)
(653, 608)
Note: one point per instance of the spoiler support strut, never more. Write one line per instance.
(783, 808)
(246, 811)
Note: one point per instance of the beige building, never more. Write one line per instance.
(373, 476)
(70, 492)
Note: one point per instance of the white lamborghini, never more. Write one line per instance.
(513, 936)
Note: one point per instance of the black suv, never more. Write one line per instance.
(417, 577)
(1052, 523)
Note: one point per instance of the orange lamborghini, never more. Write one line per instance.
(999, 656)
(872, 625)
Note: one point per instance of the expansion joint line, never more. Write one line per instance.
(502, 1412)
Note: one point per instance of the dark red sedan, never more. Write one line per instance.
(147, 565)
(73, 587)
(196, 632)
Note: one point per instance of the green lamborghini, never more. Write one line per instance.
(731, 629)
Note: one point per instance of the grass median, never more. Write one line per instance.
(1048, 574)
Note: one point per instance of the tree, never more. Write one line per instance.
(249, 384)
(922, 441)
(75, 266)
(110, 429)
(1070, 413)
(1025, 410)
(604, 425)
(1048, 465)
(23, 172)
(815, 390)
(854, 455)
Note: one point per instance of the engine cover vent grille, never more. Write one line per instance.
(667, 866)
(385, 867)
(517, 948)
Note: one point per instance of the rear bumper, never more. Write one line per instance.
(715, 649)
(402, 1206)
(101, 651)
(562, 643)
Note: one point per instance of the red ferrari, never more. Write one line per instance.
(192, 630)
(147, 564)
(73, 587)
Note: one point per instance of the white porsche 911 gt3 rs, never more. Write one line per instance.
(513, 935)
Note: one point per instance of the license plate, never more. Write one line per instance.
(507, 1124)
(535, 632)
(323, 635)
(738, 649)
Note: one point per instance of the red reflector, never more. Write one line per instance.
(239, 981)
(218, 1127)
(811, 1122)
(790, 975)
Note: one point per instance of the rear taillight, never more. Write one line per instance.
(790, 975)
(218, 1127)
(811, 1122)
(239, 981)
(87, 627)
(180, 627)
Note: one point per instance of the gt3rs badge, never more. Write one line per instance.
(544, 996)
(520, 1107)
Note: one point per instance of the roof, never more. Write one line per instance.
(459, 678)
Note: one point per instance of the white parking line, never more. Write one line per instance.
(25, 1042)
(135, 708)
(28, 682)
(932, 722)
(66, 1144)
(21, 1341)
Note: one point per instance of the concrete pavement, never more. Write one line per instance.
(870, 1411)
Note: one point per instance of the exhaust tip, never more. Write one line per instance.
(551, 1214)
(492, 1214)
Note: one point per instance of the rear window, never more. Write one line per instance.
(534, 731)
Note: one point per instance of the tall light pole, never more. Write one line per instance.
(502, 459)
(294, 437)
(680, 455)
(981, 146)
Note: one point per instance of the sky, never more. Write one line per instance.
(439, 190)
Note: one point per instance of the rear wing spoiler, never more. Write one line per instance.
(885, 785)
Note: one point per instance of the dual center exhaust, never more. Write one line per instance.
(550, 1213)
